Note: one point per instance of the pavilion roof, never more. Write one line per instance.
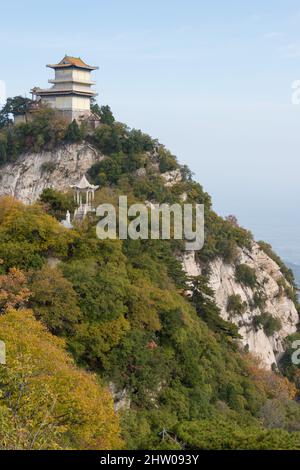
(84, 184)
(69, 61)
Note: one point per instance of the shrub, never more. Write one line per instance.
(235, 305)
(246, 275)
(48, 167)
(57, 203)
(73, 132)
(259, 300)
(288, 273)
(286, 289)
(44, 132)
(229, 251)
(167, 161)
(227, 434)
(269, 323)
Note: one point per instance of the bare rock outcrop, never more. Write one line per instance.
(277, 303)
(26, 178)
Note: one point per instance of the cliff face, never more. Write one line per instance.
(26, 179)
(277, 303)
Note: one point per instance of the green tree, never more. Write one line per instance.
(73, 133)
(28, 236)
(11, 146)
(54, 301)
(3, 152)
(57, 203)
(106, 115)
(228, 435)
(13, 106)
(203, 299)
(46, 402)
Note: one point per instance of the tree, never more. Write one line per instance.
(57, 203)
(220, 433)
(14, 292)
(232, 219)
(54, 301)
(46, 402)
(104, 112)
(106, 115)
(107, 139)
(203, 299)
(11, 146)
(73, 133)
(271, 384)
(95, 108)
(28, 235)
(13, 106)
(3, 152)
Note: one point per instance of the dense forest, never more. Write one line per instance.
(83, 317)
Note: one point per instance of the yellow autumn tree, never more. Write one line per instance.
(28, 236)
(46, 402)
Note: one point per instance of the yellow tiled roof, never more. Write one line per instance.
(75, 61)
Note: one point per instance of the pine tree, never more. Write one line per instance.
(107, 116)
(73, 133)
(12, 149)
(3, 153)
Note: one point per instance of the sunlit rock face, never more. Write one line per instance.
(26, 178)
(224, 284)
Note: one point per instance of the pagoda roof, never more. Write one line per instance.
(84, 184)
(53, 91)
(69, 61)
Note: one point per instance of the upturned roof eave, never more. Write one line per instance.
(63, 66)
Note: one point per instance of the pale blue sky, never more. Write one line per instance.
(212, 80)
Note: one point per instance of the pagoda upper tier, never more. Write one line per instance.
(69, 61)
(71, 92)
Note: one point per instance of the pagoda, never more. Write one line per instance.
(72, 91)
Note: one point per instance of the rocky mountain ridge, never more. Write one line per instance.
(26, 178)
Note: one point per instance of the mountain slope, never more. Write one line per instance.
(169, 345)
(26, 179)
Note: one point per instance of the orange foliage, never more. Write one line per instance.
(13, 290)
(270, 383)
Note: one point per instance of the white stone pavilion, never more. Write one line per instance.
(84, 194)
